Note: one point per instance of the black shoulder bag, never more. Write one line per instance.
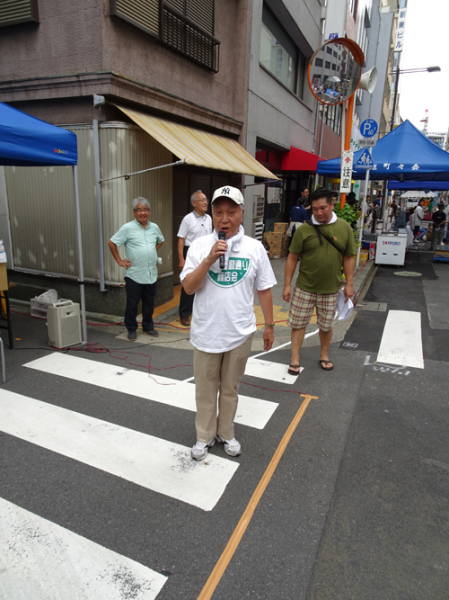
(321, 235)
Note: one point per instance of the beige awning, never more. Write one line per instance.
(199, 148)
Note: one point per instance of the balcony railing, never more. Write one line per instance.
(182, 35)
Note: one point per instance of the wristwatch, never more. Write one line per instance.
(270, 325)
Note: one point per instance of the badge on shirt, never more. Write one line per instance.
(237, 270)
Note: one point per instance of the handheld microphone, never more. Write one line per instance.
(222, 236)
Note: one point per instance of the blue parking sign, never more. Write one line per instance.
(368, 128)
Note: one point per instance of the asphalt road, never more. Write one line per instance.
(357, 506)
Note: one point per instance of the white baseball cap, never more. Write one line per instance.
(230, 192)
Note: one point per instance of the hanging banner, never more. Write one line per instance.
(346, 172)
(400, 30)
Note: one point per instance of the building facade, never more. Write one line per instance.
(173, 60)
(281, 110)
(142, 82)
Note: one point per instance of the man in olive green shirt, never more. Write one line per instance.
(325, 246)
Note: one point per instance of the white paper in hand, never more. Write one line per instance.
(343, 308)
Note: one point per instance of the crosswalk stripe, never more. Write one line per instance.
(252, 412)
(44, 561)
(272, 371)
(148, 461)
(401, 342)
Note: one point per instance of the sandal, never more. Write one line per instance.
(326, 362)
(291, 370)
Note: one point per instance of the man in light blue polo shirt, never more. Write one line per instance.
(142, 240)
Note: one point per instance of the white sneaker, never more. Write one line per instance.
(231, 447)
(199, 450)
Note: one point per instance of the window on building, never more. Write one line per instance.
(328, 49)
(327, 64)
(333, 117)
(318, 62)
(15, 12)
(353, 7)
(334, 67)
(185, 26)
(280, 55)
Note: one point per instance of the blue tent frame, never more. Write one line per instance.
(29, 142)
(402, 155)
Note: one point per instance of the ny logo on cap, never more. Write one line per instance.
(225, 190)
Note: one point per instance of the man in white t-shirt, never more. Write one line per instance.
(223, 320)
(194, 225)
(418, 217)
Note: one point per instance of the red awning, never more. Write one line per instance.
(300, 160)
(271, 160)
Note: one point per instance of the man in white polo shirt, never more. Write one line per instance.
(223, 321)
(194, 225)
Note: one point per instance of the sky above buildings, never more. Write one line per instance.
(426, 43)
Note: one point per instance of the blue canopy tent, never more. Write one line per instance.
(434, 186)
(29, 142)
(403, 154)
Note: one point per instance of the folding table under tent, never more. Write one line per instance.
(29, 142)
(403, 154)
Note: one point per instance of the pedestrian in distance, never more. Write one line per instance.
(393, 213)
(351, 199)
(298, 216)
(365, 207)
(438, 221)
(446, 212)
(305, 192)
(141, 239)
(326, 244)
(222, 270)
(194, 225)
(418, 216)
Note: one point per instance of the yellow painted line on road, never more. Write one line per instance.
(231, 547)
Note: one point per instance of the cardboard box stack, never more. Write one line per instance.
(277, 241)
(282, 227)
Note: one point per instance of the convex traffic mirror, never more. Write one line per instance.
(334, 71)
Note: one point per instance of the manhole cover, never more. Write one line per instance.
(408, 274)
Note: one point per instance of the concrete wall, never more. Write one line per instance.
(379, 36)
(78, 49)
(335, 18)
(68, 39)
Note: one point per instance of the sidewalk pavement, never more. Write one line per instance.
(168, 325)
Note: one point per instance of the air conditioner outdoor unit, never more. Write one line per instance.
(63, 324)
